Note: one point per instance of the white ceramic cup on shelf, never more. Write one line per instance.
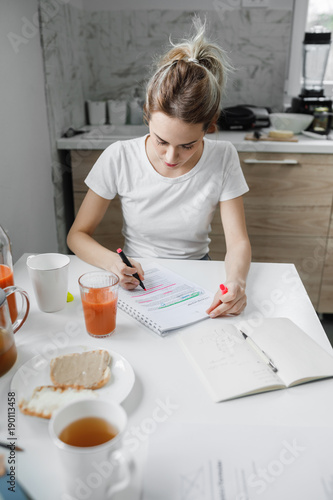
(96, 112)
(49, 275)
(92, 472)
(117, 111)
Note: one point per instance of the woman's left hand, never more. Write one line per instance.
(231, 302)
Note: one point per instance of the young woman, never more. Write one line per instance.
(171, 181)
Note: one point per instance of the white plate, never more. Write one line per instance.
(36, 372)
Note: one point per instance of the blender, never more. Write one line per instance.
(311, 100)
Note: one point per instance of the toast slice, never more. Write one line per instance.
(88, 370)
(46, 399)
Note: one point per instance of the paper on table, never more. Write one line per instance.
(221, 357)
(169, 302)
(230, 367)
(213, 462)
(297, 355)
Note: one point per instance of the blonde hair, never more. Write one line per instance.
(189, 81)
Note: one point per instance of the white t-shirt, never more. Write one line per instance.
(167, 217)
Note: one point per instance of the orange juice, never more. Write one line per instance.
(100, 309)
(7, 279)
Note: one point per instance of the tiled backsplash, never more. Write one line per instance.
(105, 54)
(121, 53)
(100, 55)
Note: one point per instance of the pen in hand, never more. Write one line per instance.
(127, 262)
(259, 351)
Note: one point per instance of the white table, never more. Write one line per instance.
(162, 370)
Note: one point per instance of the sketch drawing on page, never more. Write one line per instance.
(193, 485)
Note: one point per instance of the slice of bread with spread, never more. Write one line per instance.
(88, 370)
(46, 399)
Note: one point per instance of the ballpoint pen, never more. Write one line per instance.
(260, 352)
(127, 262)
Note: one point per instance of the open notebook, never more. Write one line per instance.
(169, 302)
(230, 367)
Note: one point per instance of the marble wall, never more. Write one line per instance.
(106, 54)
(120, 47)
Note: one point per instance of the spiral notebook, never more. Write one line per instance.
(169, 302)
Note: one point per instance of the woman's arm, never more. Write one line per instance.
(81, 242)
(237, 260)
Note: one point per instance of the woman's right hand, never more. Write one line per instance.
(125, 273)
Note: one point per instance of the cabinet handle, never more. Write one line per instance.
(274, 162)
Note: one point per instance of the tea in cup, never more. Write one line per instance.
(88, 435)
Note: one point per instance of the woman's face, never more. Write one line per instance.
(174, 147)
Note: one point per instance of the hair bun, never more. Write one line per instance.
(189, 92)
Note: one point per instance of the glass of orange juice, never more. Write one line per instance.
(99, 296)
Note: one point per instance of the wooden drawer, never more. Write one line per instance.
(330, 233)
(82, 162)
(286, 220)
(306, 253)
(307, 183)
(326, 293)
(217, 247)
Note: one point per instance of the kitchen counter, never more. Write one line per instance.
(99, 137)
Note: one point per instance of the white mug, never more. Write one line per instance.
(95, 472)
(96, 112)
(117, 111)
(49, 275)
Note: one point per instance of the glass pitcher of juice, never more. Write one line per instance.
(6, 271)
(8, 352)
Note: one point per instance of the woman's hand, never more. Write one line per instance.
(231, 302)
(125, 273)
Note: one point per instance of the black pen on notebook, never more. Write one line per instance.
(260, 352)
(127, 262)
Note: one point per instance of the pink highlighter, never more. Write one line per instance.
(223, 289)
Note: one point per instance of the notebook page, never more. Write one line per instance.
(297, 356)
(225, 362)
(169, 302)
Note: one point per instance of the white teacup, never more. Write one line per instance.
(49, 275)
(95, 472)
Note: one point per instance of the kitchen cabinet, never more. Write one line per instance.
(108, 233)
(326, 290)
(288, 213)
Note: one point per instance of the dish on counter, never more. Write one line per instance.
(295, 122)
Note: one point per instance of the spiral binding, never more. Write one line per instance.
(140, 317)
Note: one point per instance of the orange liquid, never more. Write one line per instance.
(100, 309)
(8, 352)
(7, 279)
(88, 431)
